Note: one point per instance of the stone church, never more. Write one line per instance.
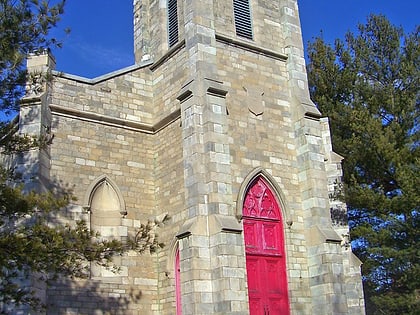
(212, 127)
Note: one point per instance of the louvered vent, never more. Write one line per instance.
(242, 13)
(172, 22)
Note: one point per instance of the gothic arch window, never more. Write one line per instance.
(274, 187)
(265, 249)
(106, 207)
(105, 210)
(242, 17)
(172, 22)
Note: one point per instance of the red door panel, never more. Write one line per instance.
(264, 245)
(277, 307)
(256, 307)
(273, 271)
(254, 281)
(251, 242)
(270, 235)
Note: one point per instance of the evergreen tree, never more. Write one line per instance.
(368, 84)
(24, 29)
(31, 242)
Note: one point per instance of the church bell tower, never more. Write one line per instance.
(248, 124)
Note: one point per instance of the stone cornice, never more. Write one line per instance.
(116, 122)
(104, 77)
(250, 47)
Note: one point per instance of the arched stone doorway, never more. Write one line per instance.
(265, 251)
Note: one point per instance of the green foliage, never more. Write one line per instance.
(368, 85)
(34, 243)
(24, 28)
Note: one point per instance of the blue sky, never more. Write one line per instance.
(101, 38)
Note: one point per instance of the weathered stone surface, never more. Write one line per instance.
(183, 133)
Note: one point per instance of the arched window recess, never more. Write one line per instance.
(104, 193)
(273, 187)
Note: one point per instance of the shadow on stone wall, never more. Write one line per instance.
(31, 169)
(90, 297)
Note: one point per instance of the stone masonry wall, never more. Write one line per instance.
(181, 134)
(82, 152)
(258, 85)
(146, 166)
(84, 148)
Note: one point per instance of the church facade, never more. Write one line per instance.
(213, 128)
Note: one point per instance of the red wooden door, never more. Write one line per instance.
(265, 259)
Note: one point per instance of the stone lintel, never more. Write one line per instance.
(308, 108)
(188, 228)
(213, 224)
(221, 223)
(31, 100)
(185, 95)
(213, 87)
(320, 235)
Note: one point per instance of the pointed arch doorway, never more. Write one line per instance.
(265, 254)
